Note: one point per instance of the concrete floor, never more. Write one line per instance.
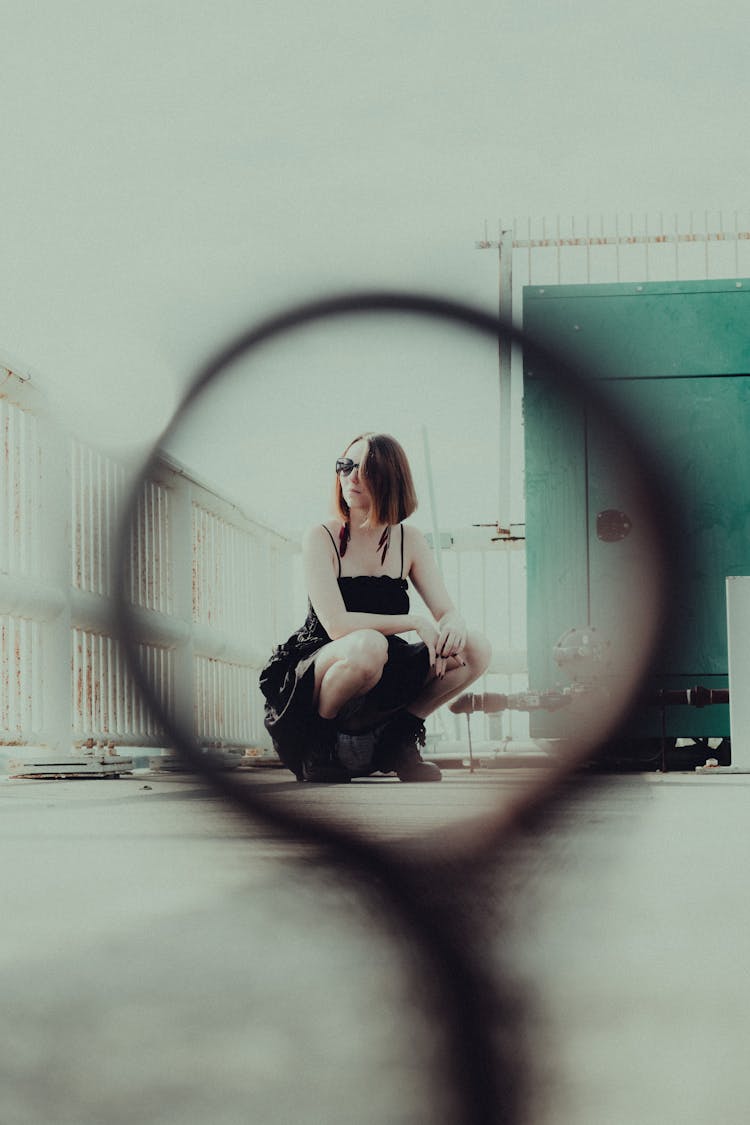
(163, 960)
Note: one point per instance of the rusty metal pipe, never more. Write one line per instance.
(697, 696)
(492, 702)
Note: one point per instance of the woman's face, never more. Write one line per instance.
(354, 490)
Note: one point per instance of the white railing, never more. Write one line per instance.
(209, 584)
(19, 489)
(214, 591)
(20, 678)
(485, 573)
(33, 575)
(596, 249)
(195, 563)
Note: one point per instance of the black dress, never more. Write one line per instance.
(287, 681)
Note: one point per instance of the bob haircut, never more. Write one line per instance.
(385, 470)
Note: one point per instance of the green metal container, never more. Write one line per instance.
(675, 359)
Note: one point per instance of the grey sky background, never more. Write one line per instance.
(172, 171)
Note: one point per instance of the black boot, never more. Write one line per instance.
(319, 761)
(400, 741)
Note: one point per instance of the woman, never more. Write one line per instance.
(348, 670)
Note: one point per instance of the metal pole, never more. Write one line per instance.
(468, 735)
(504, 357)
(433, 508)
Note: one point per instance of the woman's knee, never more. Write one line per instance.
(357, 659)
(477, 654)
(367, 651)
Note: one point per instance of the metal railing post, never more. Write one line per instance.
(53, 680)
(505, 430)
(180, 536)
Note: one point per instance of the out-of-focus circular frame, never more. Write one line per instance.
(456, 985)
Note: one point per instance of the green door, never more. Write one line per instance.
(675, 359)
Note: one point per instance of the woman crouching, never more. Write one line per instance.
(346, 695)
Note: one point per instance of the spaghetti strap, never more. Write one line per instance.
(402, 550)
(338, 556)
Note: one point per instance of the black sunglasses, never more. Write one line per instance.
(346, 466)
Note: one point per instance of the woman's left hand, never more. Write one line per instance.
(452, 634)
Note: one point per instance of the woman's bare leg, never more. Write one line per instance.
(347, 668)
(476, 657)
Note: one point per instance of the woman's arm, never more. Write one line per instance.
(428, 582)
(319, 561)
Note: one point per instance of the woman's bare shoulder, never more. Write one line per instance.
(415, 545)
(413, 536)
(320, 533)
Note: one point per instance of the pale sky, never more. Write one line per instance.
(173, 171)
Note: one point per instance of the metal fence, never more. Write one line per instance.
(585, 249)
(197, 563)
(215, 592)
